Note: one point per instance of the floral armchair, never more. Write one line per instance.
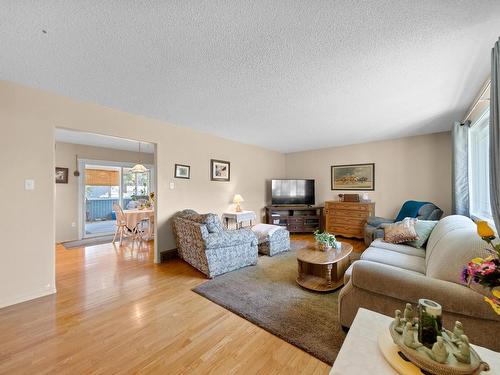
(206, 245)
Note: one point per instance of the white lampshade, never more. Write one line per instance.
(238, 199)
(139, 168)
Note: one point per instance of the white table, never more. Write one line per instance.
(360, 353)
(134, 217)
(239, 218)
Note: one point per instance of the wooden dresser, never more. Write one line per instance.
(347, 218)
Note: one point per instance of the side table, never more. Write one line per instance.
(239, 218)
(360, 353)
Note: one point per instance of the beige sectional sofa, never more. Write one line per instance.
(388, 275)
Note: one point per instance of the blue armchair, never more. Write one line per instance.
(420, 210)
(207, 246)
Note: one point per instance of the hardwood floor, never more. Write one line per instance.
(117, 313)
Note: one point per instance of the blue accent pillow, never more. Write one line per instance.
(424, 229)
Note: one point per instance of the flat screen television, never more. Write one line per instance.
(291, 192)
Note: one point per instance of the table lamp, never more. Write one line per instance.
(238, 199)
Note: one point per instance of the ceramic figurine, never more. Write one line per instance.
(458, 332)
(409, 313)
(398, 323)
(409, 336)
(439, 351)
(463, 354)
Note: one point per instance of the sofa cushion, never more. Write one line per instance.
(454, 250)
(230, 238)
(399, 248)
(443, 228)
(213, 223)
(402, 231)
(393, 258)
(424, 229)
(348, 273)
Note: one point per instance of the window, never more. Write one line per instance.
(136, 184)
(479, 179)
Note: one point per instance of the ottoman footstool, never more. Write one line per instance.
(272, 239)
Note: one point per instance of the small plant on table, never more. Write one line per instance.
(325, 240)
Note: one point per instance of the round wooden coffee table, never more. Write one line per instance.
(322, 271)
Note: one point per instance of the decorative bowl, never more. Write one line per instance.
(421, 359)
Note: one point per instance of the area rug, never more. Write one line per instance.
(268, 296)
(87, 242)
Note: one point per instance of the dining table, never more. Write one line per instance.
(134, 217)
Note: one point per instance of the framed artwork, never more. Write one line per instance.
(182, 171)
(220, 170)
(353, 177)
(61, 175)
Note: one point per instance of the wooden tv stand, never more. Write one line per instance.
(296, 219)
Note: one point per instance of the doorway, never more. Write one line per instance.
(104, 184)
(101, 171)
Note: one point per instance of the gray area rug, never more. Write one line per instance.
(88, 242)
(268, 296)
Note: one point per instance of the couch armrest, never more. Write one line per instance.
(229, 238)
(411, 286)
(376, 221)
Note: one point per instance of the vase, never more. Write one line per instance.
(429, 322)
(324, 246)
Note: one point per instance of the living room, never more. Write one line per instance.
(234, 96)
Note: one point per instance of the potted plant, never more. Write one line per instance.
(325, 240)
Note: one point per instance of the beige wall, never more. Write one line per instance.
(408, 168)
(27, 120)
(67, 199)
(417, 168)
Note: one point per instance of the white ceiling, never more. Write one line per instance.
(285, 75)
(105, 141)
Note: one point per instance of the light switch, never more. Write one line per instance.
(172, 186)
(29, 184)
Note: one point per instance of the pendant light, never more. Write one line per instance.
(139, 168)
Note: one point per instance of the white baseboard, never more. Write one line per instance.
(9, 301)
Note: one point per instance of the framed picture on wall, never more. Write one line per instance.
(353, 177)
(220, 170)
(182, 171)
(61, 175)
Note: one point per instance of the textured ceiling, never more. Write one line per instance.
(285, 75)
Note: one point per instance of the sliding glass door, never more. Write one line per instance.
(135, 186)
(104, 184)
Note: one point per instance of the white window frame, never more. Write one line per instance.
(479, 125)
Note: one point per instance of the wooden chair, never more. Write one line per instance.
(121, 225)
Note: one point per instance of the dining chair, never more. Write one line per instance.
(146, 234)
(121, 225)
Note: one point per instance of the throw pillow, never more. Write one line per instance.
(424, 229)
(212, 222)
(402, 231)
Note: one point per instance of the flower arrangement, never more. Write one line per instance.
(486, 272)
(325, 239)
(151, 201)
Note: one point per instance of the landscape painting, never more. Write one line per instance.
(353, 177)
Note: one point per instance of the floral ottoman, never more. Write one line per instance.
(272, 239)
